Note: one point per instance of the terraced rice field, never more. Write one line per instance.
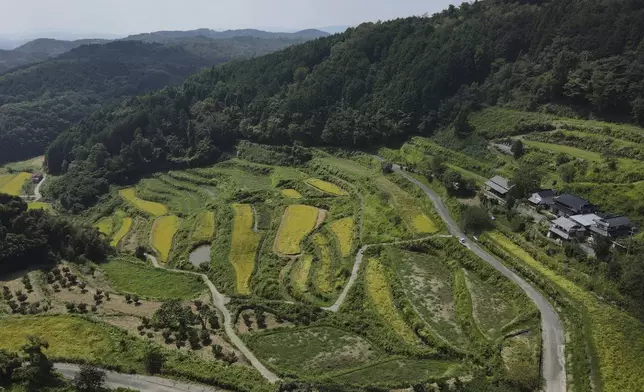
(322, 278)
(245, 243)
(491, 309)
(343, 230)
(326, 187)
(427, 282)
(150, 207)
(291, 194)
(417, 221)
(312, 351)
(618, 338)
(204, 229)
(381, 298)
(399, 372)
(14, 185)
(123, 230)
(300, 273)
(163, 232)
(298, 221)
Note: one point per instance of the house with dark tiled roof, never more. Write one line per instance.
(568, 205)
(543, 198)
(497, 188)
(613, 227)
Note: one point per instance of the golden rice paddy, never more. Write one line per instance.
(163, 232)
(244, 246)
(298, 221)
(343, 230)
(152, 208)
(326, 187)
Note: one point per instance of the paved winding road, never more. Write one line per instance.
(220, 301)
(553, 357)
(136, 381)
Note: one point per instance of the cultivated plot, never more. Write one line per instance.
(298, 221)
(163, 231)
(244, 246)
(152, 208)
(343, 231)
(326, 187)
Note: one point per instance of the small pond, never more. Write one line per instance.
(200, 255)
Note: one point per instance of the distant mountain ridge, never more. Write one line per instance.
(227, 34)
(43, 48)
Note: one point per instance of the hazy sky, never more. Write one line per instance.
(122, 17)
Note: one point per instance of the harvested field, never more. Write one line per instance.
(300, 273)
(245, 243)
(298, 221)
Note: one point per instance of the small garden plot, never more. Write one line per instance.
(178, 196)
(291, 194)
(408, 206)
(398, 372)
(492, 310)
(152, 208)
(298, 221)
(343, 230)
(14, 185)
(300, 273)
(204, 230)
(163, 231)
(150, 282)
(282, 175)
(243, 250)
(312, 351)
(74, 338)
(326, 187)
(427, 281)
(521, 358)
(381, 298)
(105, 225)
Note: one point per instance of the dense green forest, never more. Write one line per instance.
(373, 84)
(37, 102)
(33, 238)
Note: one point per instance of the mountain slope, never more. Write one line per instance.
(39, 101)
(163, 36)
(374, 84)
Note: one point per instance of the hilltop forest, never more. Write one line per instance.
(39, 101)
(374, 84)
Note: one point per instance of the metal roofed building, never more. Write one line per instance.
(497, 188)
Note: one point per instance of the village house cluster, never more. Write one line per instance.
(577, 218)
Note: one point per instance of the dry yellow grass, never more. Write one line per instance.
(152, 208)
(126, 226)
(291, 194)
(383, 301)
(422, 224)
(163, 232)
(326, 187)
(298, 221)
(243, 249)
(343, 230)
(204, 227)
(14, 185)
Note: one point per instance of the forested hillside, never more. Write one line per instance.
(37, 102)
(38, 50)
(373, 84)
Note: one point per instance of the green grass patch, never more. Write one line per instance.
(312, 351)
(401, 372)
(150, 282)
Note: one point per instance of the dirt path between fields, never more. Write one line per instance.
(220, 301)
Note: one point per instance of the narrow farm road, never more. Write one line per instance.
(553, 357)
(37, 194)
(136, 381)
(356, 268)
(220, 301)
